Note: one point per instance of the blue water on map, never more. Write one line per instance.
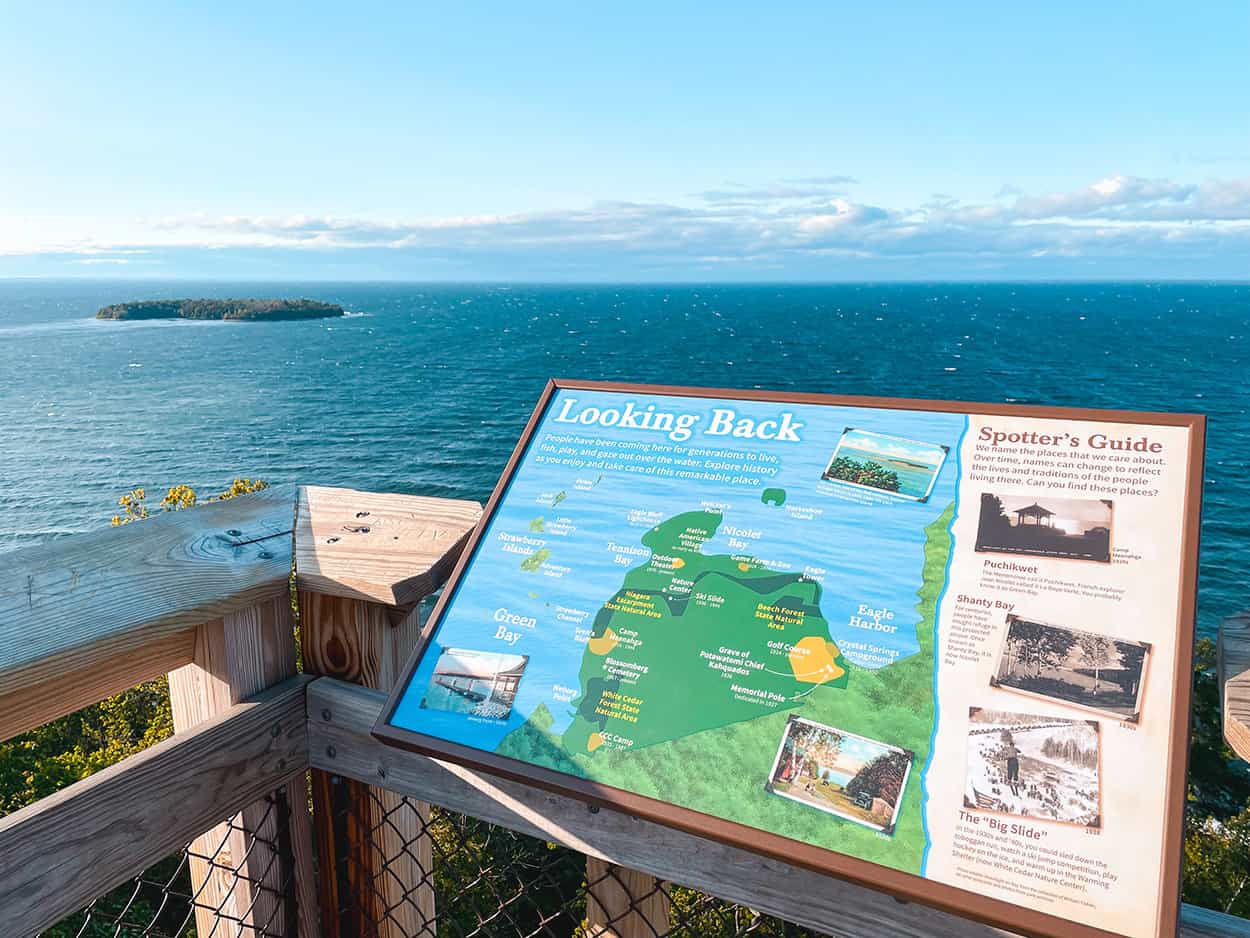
(836, 533)
(425, 388)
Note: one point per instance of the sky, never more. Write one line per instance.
(637, 142)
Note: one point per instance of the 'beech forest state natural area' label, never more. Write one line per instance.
(938, 642)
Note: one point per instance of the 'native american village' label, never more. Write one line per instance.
(942, 643)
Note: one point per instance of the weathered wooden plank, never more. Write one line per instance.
(61, 852)
(341, 717)
(1234, 675)
(363, 562)
(382, 548)
(29, 707)
(623, 903)
(1204, 923)
(237, 876)
(80, 601)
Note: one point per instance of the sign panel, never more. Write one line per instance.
(941, 649)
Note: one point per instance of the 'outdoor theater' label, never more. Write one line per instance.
(943, 643)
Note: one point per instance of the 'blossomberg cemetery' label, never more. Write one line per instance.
(943, 643)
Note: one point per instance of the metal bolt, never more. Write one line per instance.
(235, 532)
(325, 714)
(331, 751)
(594, 808)
(276, 731)
(265, 555)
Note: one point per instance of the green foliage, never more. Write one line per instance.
(864, 473)
(1219, 783)
(45, 760)
(221, 309)
(134, 505)
(57, 754)
(1217, 864)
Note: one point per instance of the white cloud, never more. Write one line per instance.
(804, 222)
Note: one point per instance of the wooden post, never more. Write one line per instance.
(238, 880)
(235, 873)
(624, 903)
(363, 563)
(1234, 677)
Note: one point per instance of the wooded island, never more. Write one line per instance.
(260, 310)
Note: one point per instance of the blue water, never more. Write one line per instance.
(428, 387)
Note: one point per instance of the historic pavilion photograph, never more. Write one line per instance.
(1046, 526)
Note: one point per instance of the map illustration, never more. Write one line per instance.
(682, 578)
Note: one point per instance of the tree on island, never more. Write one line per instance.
(846, 469)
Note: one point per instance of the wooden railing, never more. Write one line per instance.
(204, 595)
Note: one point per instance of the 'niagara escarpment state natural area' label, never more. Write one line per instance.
(946, 642)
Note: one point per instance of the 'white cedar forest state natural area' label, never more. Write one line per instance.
(939, 642)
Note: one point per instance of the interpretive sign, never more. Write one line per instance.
(940, 649)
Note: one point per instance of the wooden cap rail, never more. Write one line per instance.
(363, 562)
(380, 548)
(203, 594)
(1234, 672)
(87, 616)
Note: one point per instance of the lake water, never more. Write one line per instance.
(426, 388)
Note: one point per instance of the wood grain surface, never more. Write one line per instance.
(382, 548)
(805, 897)
(61, 852)
(1234, 673)
(80, 602)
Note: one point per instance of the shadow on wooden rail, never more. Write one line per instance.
(85, 617)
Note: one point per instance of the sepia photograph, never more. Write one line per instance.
(480, 683)
(1073, 666)
(1034, 766)
(889, 464)
(841, 773)
(1045, 526)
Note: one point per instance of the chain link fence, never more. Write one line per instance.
(472, 879)
(402, 870)
(167, 901)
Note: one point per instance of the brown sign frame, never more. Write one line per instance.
(907, 886)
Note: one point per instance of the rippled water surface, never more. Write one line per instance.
(426, 388)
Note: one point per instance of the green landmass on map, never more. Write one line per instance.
(694, 744)
(685, 629)
(535, 560)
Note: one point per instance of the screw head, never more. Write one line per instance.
(235, 532)
(594, 808)
(325, 714)
(381, 771)
(282, 765)
(331, 751)
(276, 730)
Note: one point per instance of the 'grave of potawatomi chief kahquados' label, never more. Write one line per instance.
(938, 648)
